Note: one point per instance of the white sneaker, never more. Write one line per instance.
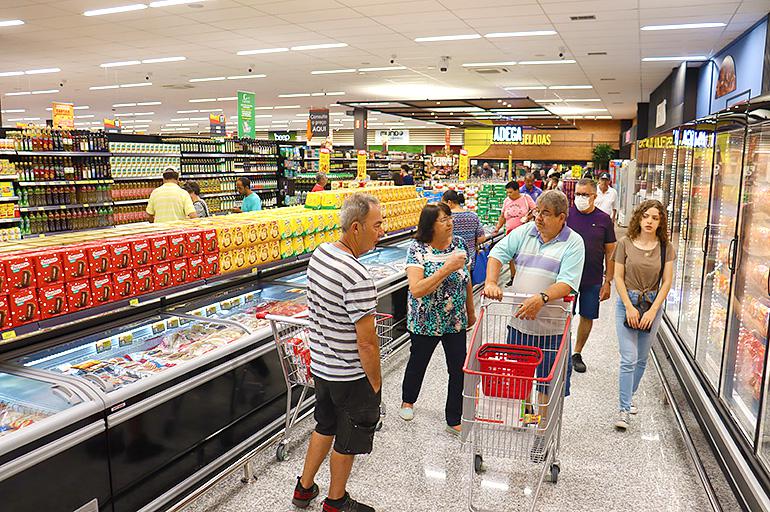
(623, 420)
(406, 413)
(633, 409)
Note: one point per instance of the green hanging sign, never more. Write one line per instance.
(246, 115)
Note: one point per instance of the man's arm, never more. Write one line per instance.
(152, 218)
(609, 271)
(369, 350)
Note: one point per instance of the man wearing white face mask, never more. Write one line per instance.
(598, 233)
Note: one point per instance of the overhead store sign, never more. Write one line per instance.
(693, 138)
(464, 168)
(282, 136)
(246, 115)
(391, 136)
(217, 125)
(63, 115)
(662, 142)
(507, 134)
(319, 122)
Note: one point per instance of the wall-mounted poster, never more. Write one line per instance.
(726, 81)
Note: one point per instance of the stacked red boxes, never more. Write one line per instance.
(140, 252)
(75, 263)
(196, 267)
(161, 275)
(121, 257)
(210, 242)
(159, 248)
(211, 264)
(125, 285)
(177, 243)
(143, 280)
(102, 289)
(5, 313)
(52, 300)
(79, 294)
(195, 242)
(180, 272)
(49, 268)
(20, 271)
(99, 260)
(23, 306)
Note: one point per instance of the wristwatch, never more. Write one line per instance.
(545, 297)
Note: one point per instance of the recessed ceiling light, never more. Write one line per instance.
(577, 100)
(202, 100)
(295, 95)
(11, 23)
(458, 37)
(332, 71)
(384, 68)
(18, 93)
(169, 3)
(114, 10)
(526, 88)
(318, 46)
(666, 59)
(163, 59)
(46, 91)
(140, 84)
(89, 116)
(102, 87)
(262, 108)
(42, 71)
(494, 35)
(683, 26)
(13, 111)
(120, 64)
(286, 106)
(187, 111)
(244, 77)
(483, 64)
(210, 79)
(540, 62)
(11, 73)
(118, 105)
(149, 103)
(228, 98)
(262, 50)
(567, 87)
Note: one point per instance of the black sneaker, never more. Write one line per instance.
(302, 496)
(537, 453)
(346, 504)
(577, 363)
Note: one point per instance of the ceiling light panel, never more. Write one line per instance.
(11, 23)
(262, 50)
(544, 62)
(526, 88)
(169, 3)
(384, 68)
(318, 46)
(42, 71)
(120, 64)
(569, 87)
(332, 71)
(115, 10)
(209, 79)
(459, 37)
(683, 26)
(485, 64)
(532, 33)
(245, 77)
(677, 59)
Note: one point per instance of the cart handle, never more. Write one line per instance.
(524, 296)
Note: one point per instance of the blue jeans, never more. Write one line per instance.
(550, 347)
(634, 349)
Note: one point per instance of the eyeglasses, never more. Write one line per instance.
(444, 220)
(541, 213)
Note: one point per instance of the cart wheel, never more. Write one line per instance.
(555, 473)
(478, 463)
(282, 453)
(379, 426)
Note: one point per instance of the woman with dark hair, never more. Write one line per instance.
(466, 224)
(440, 309)
(200, 205)
(644, 270)
(517, 210)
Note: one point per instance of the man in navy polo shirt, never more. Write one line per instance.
(598, 233)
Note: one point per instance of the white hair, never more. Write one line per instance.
(356, 208)
(555, 200)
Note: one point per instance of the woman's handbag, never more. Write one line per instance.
(645, 304)
(479, 274)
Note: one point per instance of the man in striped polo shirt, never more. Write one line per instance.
(344, 354)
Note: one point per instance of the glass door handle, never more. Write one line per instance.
(731, 250)
(703, 240)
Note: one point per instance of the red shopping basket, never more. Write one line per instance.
(512, 368)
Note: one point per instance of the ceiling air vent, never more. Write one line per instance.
(583, 18)
(490, 71)
(597, 53)
(607, 79)
(178, 87)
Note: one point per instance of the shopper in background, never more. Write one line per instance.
(598, 233)
(548, 258)
(169, 202)
(201, 208)
(517, 210)
(486, 170)
(397, 178)
(251, 201)
(607, 197)
(406, 176)
(466, 224)
(530, 188)
(643, 276)
(320, 182)
(552, 183)
(344, 354)
(440, 309)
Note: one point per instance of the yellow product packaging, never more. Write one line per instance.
(299, 245)
(309, 242)
(285, 227)
(314, 200)
(225, 238)
(273, 234)
(275, 250)
(226, 263)
(252, 256)
(250, 230)
(332, 200)
(263, 253)
(386, 225)
(306, 223)
(320, 238)
(287, 248)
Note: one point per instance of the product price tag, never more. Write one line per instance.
(211, 311)
(86, 205)
(133, 302)
(158, 327)
(103, 345)
(173, 323)
(62, 207)
(125, 339)
(9, 335)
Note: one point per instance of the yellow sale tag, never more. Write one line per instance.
(133, 302)
(9, 335)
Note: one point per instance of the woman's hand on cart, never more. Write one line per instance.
(530, 308)
(493, 291)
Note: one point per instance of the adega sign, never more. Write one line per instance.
(514, 135)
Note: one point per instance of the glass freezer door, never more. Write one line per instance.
(679, 181)
(721, 239)
(750, 313)
(692, 249)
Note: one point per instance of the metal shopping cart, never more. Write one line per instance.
(513, 392)
(291, 339)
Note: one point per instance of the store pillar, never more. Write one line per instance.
(360, 128)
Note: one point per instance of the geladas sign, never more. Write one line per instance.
(515, 135)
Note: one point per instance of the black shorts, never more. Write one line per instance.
(349, 411)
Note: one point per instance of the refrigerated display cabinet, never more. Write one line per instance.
(716, 334)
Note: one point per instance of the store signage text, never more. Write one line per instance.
(692, 138)
(282, 136)
(319, 122)
(391, 136)
(662, 142)
(507, 134)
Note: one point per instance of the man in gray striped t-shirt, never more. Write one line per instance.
(344, 354)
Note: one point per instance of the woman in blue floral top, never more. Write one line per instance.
(440, 309)
(465, 224)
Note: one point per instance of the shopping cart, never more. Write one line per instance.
(291, 335)
(511, 408)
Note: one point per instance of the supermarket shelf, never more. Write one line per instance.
(136, 178)
(226, 155)
(219, 194)
(62, 207)
(225, 174)
(334, 158)
(12, 220)
(52, 233)
(173, 155)
(7, 151)
(126, 202)
(64, 182)
(9, 199)
(63, 153)
(9, 177)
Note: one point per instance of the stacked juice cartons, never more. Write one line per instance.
(490, 202)
(401, 206)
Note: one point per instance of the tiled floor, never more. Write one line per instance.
(417, 466)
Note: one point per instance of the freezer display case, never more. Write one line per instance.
(50, 428)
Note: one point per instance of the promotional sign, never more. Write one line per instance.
(324, 160)
(447, 139)
(282, 136)
(391, 137)
(63, 115)
(246, 115)
(463, 164)
(217, 125)
(660, 114)
(510, 165)
(112, 125)
(319, 122)
(693, 138)
(507, 134)
(361, 165)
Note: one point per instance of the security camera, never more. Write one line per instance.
(561, 55)
(562, 51)
(147, 77)
(393, 59)
(61, 84)
(444, 66)
(250, 70)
